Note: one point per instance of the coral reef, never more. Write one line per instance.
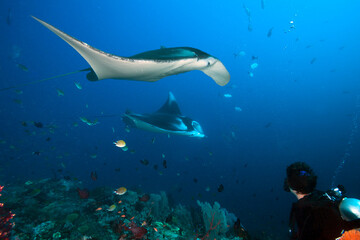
(55, 209)
(5, 220)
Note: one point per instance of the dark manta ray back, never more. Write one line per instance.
(168, 119)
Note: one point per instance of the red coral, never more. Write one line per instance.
(5, 224)
(83, 193)
(138, 232)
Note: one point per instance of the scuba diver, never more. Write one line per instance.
(318, 215)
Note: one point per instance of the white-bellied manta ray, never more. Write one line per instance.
(168, 119)
(147, 66)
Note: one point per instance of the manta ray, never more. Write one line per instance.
(168, 119)
(148, 66)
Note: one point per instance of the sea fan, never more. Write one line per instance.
(351, 235)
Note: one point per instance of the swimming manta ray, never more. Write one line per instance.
(168, 119)
(147, 66)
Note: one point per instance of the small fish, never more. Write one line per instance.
(163, 155)
(153, 140)
(112, 208)
(60, 92)
(78, 86)
(120, 191)
(227, 95)
(164, 164)
(36, 153)
(93, 176)
(22, 67)
(195, 180)
(89, 122)
(247, 11)
(144, 162)
(38, 124)
(48, 139)
(17, 101)
(238, 109)
(254, 65)
(156, 167)
(24, 123)
(270, 32)
(220, 188)
(241, 54)
(262, 4)
(98, 209)
(120, 143)
(313, 60)
(19, 92)
(93, 156)
(251, 74)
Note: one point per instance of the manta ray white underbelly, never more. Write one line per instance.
(148, 66)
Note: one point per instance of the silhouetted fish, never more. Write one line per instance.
(220, 188)
(270, 32)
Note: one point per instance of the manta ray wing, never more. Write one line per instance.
(145, 66)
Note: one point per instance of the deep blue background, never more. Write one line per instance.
(292, 110)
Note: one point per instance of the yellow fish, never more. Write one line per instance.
(120, 143)
(120, 191)
(112, 208)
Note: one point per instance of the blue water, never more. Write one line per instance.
(300, 104)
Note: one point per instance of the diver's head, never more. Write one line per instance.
(300, 178)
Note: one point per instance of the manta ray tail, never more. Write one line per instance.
(46, 79)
